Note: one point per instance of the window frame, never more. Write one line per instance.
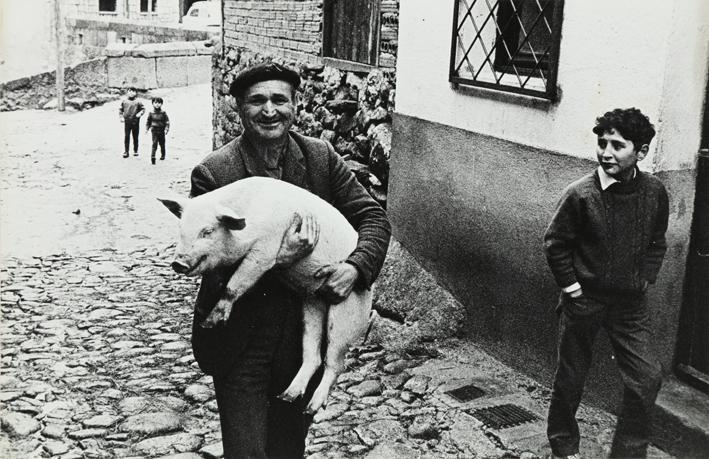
(506, 80)
(327, 28)
(113, 11)
(151, 7)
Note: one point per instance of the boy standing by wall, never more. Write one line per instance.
(605, 244)
(159, 123)
(129, 112)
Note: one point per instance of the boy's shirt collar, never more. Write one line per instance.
(606, 180)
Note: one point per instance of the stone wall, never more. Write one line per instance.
(350, 109)
(86, 85)
(94, 82)
(159, 65)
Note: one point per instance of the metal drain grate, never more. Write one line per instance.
(466, 393)
(504, 416)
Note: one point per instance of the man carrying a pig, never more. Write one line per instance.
(256, 354)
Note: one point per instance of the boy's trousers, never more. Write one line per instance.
(158, 139)
(131, 127)
(627, 323)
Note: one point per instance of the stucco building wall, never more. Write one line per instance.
(475, 176)
(167, 11)
(653, 62)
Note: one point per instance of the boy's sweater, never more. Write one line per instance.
(610, 241)
(158, 121)
(131, 109)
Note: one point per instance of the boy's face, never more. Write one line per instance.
(131, 93)
(618, 155)
(157, 105)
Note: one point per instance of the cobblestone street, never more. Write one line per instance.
(96, 358)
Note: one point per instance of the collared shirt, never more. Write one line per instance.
(256, 164)
(607, 180)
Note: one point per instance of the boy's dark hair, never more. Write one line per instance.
(131, 88)
(157, 99)
(629, 122)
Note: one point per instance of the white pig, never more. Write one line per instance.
(245, 222)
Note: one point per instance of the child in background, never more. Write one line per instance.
(159, 123)
(129, 112)
(605, 244)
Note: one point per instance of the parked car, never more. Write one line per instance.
(203, 14)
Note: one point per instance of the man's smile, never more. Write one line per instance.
(269, 122)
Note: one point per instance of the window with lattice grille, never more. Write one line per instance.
(507, 45)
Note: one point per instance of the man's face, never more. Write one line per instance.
(617, 155)
(267, 110)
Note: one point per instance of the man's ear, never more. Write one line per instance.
(642, 152)
(229, 219)
(175, 205)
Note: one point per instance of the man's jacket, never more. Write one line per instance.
(311, 164)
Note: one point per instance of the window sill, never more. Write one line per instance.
(524, 100)
(348, 66)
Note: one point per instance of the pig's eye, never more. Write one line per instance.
(206, 232)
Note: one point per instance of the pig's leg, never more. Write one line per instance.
(254, 265)
(313, 324)
(345, 323)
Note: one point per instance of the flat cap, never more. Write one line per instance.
(263, 72)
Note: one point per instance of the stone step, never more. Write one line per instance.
(682, 420)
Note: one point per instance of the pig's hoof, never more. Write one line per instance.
(288, 397)
(208, 324)
(311, 409)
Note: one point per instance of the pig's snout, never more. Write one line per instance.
(180, 267)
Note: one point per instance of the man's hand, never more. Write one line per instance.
(298, 241)
(341, 278)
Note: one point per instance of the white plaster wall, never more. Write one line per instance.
(613, 54)
(168, 11)
(27, 43)
(684, 87)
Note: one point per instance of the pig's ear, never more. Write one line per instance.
(229, 219)
(176, 205)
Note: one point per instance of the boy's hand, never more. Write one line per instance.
(646, 284)
(576, 293)
(120, 118)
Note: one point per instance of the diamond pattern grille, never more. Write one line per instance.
(507, 44)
